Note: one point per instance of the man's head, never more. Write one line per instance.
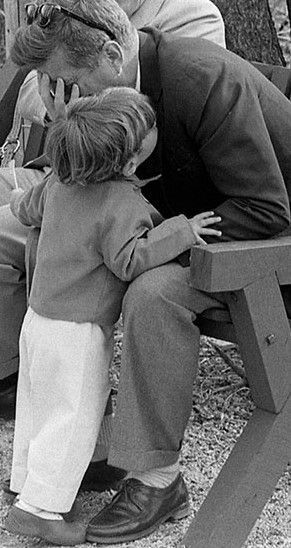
(62, 46)
(102, 137)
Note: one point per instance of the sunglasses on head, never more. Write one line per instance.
(43, 14)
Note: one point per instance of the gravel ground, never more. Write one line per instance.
(221, 408)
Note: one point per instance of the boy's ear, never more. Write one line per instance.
(114, 54)
(130, 167)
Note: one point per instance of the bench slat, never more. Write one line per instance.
(231, 266)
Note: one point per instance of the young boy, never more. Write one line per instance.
(97, 234)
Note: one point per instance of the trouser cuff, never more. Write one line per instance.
(142, 461)
(46, 496)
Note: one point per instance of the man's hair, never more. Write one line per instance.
(99, 135)
(34, 45)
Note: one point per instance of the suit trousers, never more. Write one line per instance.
(158, 367)
(62, 392)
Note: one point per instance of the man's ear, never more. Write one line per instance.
(114, 53)
(130, 167)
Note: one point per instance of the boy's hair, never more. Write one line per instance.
(34, 45)
(99, 135)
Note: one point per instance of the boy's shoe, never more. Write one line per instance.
(9, 497)
(56, 531)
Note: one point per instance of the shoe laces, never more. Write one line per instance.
(126, 494)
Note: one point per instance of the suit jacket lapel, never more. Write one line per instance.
(150, 74)
(151, 86)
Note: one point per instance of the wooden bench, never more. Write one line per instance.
(250, 273)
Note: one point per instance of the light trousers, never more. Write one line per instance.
(63, 389)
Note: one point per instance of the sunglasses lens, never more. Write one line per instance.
(42, 13)
(45, 12)
(31, 12)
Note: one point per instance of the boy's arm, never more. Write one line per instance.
(135, 237)
(28, 206)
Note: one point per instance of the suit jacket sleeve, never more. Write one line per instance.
(28, 206)
(135, 238)
(235, 145)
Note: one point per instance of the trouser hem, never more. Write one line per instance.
(48, 497)
(18, 480)
(142, 461)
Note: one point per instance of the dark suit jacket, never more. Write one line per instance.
(225, 136)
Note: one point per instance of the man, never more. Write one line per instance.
(224, 145)
(187, 18)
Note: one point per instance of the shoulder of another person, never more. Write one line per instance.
(192, 10)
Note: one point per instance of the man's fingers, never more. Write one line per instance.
(75, 93)
(60, 105)
(44, 90)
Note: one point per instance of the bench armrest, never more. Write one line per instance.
(230, 266)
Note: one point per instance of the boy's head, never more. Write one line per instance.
(103, 137)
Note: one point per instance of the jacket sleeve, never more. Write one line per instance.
(136, 239)
(28, 206)
(236, 144)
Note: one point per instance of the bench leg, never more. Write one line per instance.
(245, 483)
(264, 337)
(261, 454)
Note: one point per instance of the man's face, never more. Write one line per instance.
(89, 81)
(130, 6)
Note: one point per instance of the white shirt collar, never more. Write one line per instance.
(137, 82)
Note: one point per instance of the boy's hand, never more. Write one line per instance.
(199, 225)
(55, 101)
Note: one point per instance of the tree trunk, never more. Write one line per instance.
(250, 31)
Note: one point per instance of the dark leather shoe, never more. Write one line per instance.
(100, 477)
(137, 510)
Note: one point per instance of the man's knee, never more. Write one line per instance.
(152, 288)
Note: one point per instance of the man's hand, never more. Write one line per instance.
(16, 192)
(55, 100)
(199, 225)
